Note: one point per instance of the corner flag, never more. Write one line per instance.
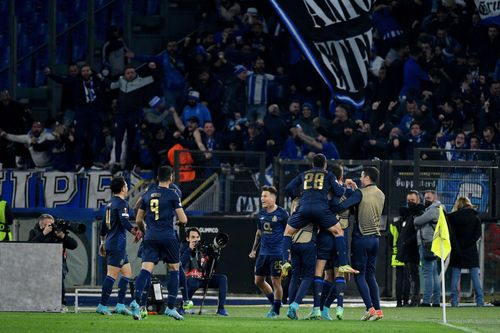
(441, 236)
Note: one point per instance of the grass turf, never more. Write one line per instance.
(250, 319)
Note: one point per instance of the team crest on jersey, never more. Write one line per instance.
(125, 212)
(275, 218)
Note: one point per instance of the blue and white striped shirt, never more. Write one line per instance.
(257, 87)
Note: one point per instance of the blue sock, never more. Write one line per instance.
(287, 244)
(327, 286)
(270, 297)
(340, 286)
(363, 289)
(292, 289)
(183, 284)
(341, 245)
(122, 288)
(140, 284)
(277, 306)
(303, 289)
(173, 288)
(145, 293)
(318, 288)
(331, 297)
(107, 288)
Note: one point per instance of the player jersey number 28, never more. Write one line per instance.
(314, 181)
(154, 206)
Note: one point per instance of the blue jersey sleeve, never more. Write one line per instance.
(338, 190)
(353, 199)
(123, 215)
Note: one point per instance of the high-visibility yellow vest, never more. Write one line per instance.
(395, 235)
(5, 233)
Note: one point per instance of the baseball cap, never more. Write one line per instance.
(194, 119)
(194, 95)
(252, 11)
(238, 69)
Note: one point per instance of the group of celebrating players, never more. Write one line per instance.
(311, 243)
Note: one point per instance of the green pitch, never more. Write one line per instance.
(250, 319)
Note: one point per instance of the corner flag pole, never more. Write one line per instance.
(442, 279)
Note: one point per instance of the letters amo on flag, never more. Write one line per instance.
(336, 38)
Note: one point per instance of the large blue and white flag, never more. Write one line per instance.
(489, 10)
(336, 37)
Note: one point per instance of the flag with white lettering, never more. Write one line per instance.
(336, 37)
(489, 10)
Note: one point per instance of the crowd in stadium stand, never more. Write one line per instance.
(241, 83)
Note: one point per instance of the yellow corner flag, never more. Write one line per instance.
(441, 235)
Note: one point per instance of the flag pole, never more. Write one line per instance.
(442, 279)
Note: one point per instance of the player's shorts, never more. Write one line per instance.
(321, 217)
(267, 265)
(166, 250)
(116, 258)
(303, 259)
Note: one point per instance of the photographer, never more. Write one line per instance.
(47, 231)
(196, 259)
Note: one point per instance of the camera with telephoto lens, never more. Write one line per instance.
(220, 241)
(62, 225)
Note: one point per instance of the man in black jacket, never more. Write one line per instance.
(407, 244)
(87, 92)
(44, 232)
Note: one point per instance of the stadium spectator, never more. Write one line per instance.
(132, 95)
(195, 108)
(305, 121)
(425, 225)
(491, 140)
(10, 154)
(276, 130)
(113, 53)
(172, 64)
(413, 75)
(37, 141)
(257, 82)
(88, 94)
(465, 231)
(211, 92)
(415, 139)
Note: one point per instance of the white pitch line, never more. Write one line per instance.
(465, 329)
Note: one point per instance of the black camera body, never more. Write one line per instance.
(220, 241)
(62, 225)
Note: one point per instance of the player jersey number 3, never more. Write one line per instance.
(154, 207)
(314, 181)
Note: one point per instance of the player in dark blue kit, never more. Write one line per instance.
(272, 222)
(113, 246)
(315, 184)
(159, 206)
(187, 303)
(327, 260)
(303, 255)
